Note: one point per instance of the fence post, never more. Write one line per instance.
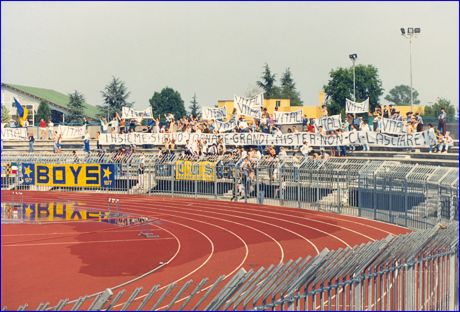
(405, 202)
(439, 201)
(298, 187)
(374, 198)
(409, 287)
(453, 282)
(173, 178)
(390, 215)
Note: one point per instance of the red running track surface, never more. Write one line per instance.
(198, 238)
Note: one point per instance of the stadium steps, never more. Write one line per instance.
(150, 182)
(427, 208)
(341, 194)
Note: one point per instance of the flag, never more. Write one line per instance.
(22, 112)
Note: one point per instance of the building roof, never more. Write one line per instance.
(51, 96)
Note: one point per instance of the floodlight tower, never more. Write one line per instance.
(410, 33)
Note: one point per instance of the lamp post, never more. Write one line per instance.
(410, 33)
(353, 58)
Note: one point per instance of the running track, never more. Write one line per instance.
(198, 238)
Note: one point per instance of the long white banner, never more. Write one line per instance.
(129, 113)
(227, 126)
(329, 123)
(214, 113)
(249, 106)
(288, 118)
(16, 134)
(356, 108)
(393, 126)
(68, 132)
(418, 139)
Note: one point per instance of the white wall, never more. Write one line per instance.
(7, 100)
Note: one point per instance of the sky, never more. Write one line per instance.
(218, 49)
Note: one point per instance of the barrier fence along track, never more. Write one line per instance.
(415, 271)
(415, 196)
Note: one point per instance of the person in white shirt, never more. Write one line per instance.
(282, 155)
(50, 129)
(365, 128)
(431, 138)
(305, 149)
(278, 131)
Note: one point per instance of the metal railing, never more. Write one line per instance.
(414, 196)
(415, 271)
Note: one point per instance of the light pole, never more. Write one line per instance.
(411, 32)
(353, 58)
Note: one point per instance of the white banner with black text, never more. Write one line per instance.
(393, 126)
(129, 113)
(357, 108)
(288, 118)
(249, 106)
(14, 134)
(68, 132)
(214, 113)
(227, 126)
(419, 139)
(329, 123)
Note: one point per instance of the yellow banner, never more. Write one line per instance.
(195, 171)
(84, 175)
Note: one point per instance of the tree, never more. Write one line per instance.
(115, 96)
(288, 89)
(400, 95)
(76, 107)
(434, 110)
(43, 112)
(340, 87)
(194, 107)
(167, 101)
(268, 84)
(5, 114)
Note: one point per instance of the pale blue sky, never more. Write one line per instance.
(219, 49)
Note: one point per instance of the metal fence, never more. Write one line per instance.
(416, 271)
(415, 196)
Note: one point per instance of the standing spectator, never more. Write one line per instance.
(442, 120)
(448, 142)
(141, 175)
(55, 141)
(431, 138)
(86, 143)
(365, 128)
(76, 159)
(324, 112)
(370, 121)
(98, 145)
(419, 120)
(50, 129)
(42, 126)
(305, 149)
(31, 143)
(104, 124)
(59, 143)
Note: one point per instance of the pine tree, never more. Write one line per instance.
(268, 83)
(288, 89)
(76, 107)
(115, 96)
(43, 112)
(194, 107)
